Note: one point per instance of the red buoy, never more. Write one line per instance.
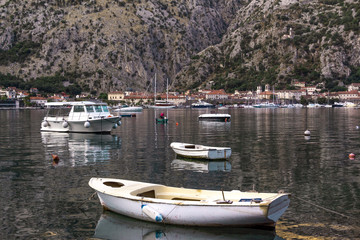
(351, 156)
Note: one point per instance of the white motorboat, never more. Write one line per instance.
(200, 151)
(126, 108)
(266, 105)
(82, 117)
(216, 117)
(163, 104)
(191, 207)
(202, 104)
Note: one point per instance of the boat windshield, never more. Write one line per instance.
(105, 108)
(79, 109)
(90, 108)
(55, 112)
(98, 108)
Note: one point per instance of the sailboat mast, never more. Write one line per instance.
(167, 89)
(155, 90)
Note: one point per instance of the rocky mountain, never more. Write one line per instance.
(278, 42)
(107, 45)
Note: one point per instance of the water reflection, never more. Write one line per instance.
(79, 148)
(200, 165)
(206, 125)
(114, 226)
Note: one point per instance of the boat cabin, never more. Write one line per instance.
(77, 110)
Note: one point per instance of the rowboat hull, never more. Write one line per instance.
(200, 151)
(215, 117)
(162, 120)
(190, 207)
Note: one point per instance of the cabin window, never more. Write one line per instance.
(105, 108)
(89, 108)
(79, 109)
(98, 108)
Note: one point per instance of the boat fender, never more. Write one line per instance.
(151, 213)
(119, 123)
(115, 126)
(45, 124)
(65, 124)
(87, 124)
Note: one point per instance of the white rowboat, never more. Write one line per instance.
(216, 117)
(200, 151)
(191, 207)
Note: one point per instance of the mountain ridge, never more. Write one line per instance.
(116, 45)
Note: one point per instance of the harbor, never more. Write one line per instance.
(270, 153)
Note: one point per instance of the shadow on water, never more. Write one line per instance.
(114, 226)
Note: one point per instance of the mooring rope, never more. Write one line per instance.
(323, 208)
(92, 195)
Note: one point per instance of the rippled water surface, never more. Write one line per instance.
(269, 153)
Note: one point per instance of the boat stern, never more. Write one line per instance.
(278, 207)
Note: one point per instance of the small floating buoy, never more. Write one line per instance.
(177, 124)
(357, 127)
(55, 158)
(351, 156)
(307, 133)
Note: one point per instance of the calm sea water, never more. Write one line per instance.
(270, 153)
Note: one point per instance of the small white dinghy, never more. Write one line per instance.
(215, 117)
(191, 207)
(199, 151)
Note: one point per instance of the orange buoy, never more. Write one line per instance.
(55, 158)
(351, 156)
(177, 124)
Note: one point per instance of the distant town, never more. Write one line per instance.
(301, 94)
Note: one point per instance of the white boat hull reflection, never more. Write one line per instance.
(77, 149)
(114, 226)
(200, 166)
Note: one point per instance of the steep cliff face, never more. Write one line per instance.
(277, 42)
(111, 45)
(108, 45)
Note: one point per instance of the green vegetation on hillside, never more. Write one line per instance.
(19, 52)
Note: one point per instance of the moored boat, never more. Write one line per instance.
(161, 120)
(126, 108)
(162, 104)
(200, 151)
(82, 117)
(191, 207)
(202, 104)
(216, 117)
